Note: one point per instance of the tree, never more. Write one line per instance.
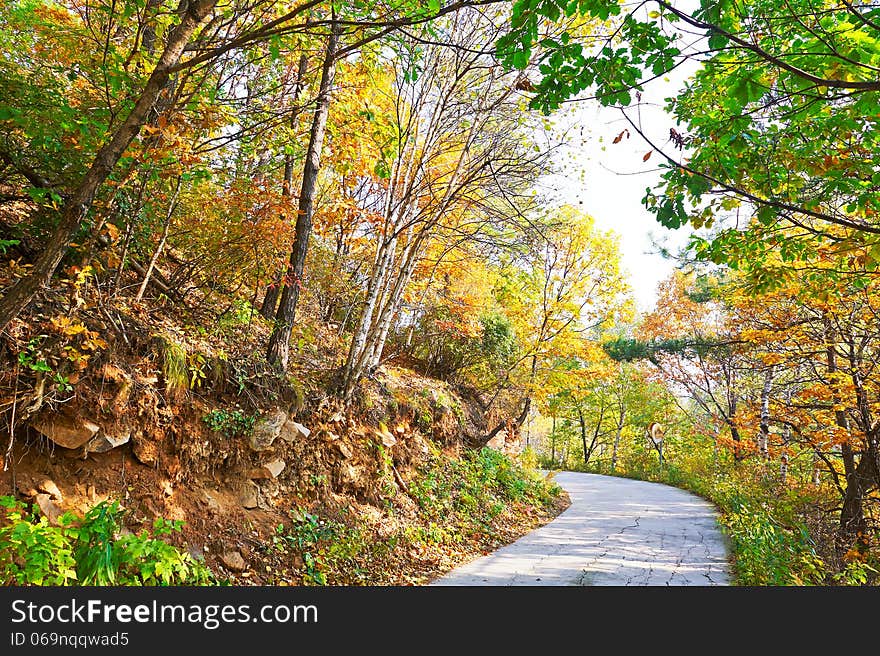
(823, 339)
(279, 342)
(207, 37)
(457, 171)
(779, 122)
(558, 297)
(708, 363)
(74, 209)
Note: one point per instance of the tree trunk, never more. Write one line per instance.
(77, 205)
(270, 300)
(156, 253)
(388, 313)
(278, 350)
(583, 423)
(764, 436)
(620, 421)
(353, 364)
(852, 517)
(738, 454)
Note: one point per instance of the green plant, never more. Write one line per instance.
(231, 423)
(62, 382)
(197, 365)
(239, 313)
(30, 357)
(856, 572)
(425, 420)
(175, 367)
(6, 244)
(91, 550)
(31, 551)
(322, 543)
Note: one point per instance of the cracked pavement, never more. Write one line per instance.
(617, 531)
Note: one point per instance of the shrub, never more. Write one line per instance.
(90, 550)
(231, 423)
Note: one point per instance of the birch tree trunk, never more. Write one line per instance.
(614, 449)
(764, 435)
(156, 253)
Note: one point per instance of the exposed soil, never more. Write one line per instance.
(141, 376)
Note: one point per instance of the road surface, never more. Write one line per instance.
(617, 531)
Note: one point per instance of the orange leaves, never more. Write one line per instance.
(66, 326)
(620, 136)
(647, 155)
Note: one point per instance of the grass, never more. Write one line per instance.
(464, 506)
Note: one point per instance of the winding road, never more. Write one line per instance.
(617, 531)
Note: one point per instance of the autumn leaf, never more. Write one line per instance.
(647, 156)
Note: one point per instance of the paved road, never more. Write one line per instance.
(617, 531)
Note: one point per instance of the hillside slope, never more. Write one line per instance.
(274, 479)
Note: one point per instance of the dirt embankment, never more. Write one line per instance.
(99, 404)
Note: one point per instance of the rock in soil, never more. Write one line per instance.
(275, 467)
(145, 449)
(48, 486)
(249, 495)
(68, 432)
(267, 429)
(101, 443)
(292, 431)
(233, 561)
(49, 508)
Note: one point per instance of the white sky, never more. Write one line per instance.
(608, 182)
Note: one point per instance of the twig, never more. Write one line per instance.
(8, 455)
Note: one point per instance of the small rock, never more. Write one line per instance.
(385, 435)
(259, 473)
(292, 431)
(48, 486)
(267, 429)
(26, 488)
(233, 560)
(49, 508)
(67, 432)
(101, 443)
(337, 418)
(344, 449)
(249, 495)
(211, 501)
(269, 470)
(145, 450)
(275, 467)
(350, 474)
